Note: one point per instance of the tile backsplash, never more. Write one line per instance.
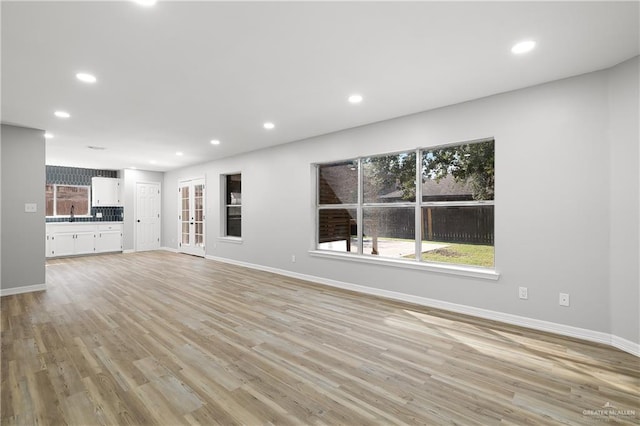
(76, 176)
(109, 214)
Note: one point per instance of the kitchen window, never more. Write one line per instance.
(63, 200)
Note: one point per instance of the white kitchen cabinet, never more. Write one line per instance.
(71, 239)
(85, 242)
(106, 192)
(64, 244)
(109, 238)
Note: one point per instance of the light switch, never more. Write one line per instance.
(30, 207)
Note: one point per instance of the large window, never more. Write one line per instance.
(427, 205)
(338, 196)
(233, 205)
(63, 200)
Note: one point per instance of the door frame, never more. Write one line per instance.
(184, 182)
(135, 213)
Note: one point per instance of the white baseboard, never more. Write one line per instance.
(23, 289)
(129, 251)
(561, 329)
(626, 345)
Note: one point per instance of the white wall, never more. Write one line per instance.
(624, 200)
(130, 179)
(23, 234)
(552, 228)
(0, 212)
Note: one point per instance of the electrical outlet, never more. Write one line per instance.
(523, 293)
(293, 258)
(564, 299)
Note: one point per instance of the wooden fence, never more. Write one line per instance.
(467, 225)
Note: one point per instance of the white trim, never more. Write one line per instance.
(235, 240)
(171, 249)
(626, 345)
(128, 251)
(23, 289)
(467, 271)
(560, 329)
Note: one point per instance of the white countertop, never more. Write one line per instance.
(93, 222)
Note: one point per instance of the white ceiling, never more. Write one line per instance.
(174, 76)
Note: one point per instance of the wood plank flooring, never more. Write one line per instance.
(169, 339)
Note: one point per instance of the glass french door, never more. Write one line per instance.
(191, 220)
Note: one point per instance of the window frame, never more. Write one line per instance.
(417, 262)
(55, 200)
(224, 215)
(345, 206)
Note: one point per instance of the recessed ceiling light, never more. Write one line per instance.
(268, 125)
(146, 2)
(215, 142)
(62, 114)
(86, 78)
(523, 47)
(133, 168)
(48, 136)
(179, 154)
(96, 148)
(152, 161)
(355, 99)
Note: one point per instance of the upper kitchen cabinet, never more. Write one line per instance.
(106, 192)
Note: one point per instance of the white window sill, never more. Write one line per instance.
(467, 271)
(235, 240)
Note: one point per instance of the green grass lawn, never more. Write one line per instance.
(465, 254)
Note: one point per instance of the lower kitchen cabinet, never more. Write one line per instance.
(71, 239)
(107, 241)
(63, 244)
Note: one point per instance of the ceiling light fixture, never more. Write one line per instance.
(523, 47)
(355, 99)
(268, 125)
(147, 3)
(215, 142)
(96, 148)
(62, 114)
(48, 136)
(152, 161)
(86, 78)
(179, 154)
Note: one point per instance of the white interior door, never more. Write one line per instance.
(191, 219)
(147, 216)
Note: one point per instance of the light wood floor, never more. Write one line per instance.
(163, 338)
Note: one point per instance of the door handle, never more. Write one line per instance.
(138, 220)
